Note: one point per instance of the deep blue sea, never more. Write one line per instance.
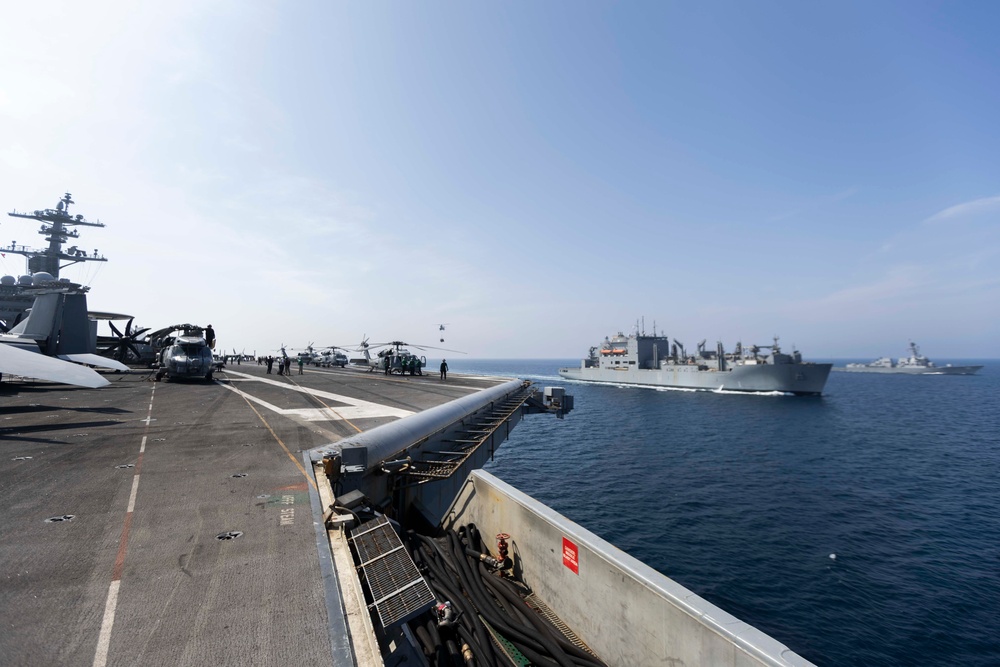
(744, 498)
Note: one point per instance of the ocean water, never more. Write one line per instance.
(744, 499)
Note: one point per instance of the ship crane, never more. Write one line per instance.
(774, 348)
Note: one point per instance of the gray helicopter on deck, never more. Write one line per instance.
(332, 356)
(183, 353)
(395, 358)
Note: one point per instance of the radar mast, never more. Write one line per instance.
(57, 228)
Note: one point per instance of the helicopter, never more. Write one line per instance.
(395, 359)
(332, 356)
(185, 354)
(308, 354)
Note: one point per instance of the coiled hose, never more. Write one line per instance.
(452, 567)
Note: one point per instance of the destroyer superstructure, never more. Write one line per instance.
(660, 361)
(915, 364)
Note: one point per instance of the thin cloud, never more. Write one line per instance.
(976, 206)
(896, 284)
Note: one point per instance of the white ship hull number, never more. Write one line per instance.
(287, 513)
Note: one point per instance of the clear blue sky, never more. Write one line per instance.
(535, 175)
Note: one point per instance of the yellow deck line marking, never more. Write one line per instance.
(275, 436)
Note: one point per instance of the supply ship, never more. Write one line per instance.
(915, 364)
(656, 360)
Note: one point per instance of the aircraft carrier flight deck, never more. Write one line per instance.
(171, 522)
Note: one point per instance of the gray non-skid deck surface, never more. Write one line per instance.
(72, 593)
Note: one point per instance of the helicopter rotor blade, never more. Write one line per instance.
(443, 349)
(399, 344)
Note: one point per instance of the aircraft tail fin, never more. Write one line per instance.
(76, 336)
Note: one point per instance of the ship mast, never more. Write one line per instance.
(57, 228)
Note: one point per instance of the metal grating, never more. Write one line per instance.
(545, 612)
(426, 470)
(398, 590)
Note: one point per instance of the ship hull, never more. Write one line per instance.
(799, 379)
(933, 370)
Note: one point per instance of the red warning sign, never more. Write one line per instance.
(571, 556)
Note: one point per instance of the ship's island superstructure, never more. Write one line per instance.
(660, 361)
(44, 264)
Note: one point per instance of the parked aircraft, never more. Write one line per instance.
(332, 356)
(55, 333)
(129, 347)
(308, 354)
(184, 353)
(395, 357)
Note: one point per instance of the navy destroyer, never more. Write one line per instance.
(915, 364)
(642, 359)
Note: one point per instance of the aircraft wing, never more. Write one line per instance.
(95, 360)
(99, 315)
(18, 361)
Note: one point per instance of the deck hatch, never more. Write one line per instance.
(398, 590)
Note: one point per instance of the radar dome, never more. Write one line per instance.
(24, 280)
(8, 280)
(41, 277)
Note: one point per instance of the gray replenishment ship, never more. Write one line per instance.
(915, 364)
(654, 360)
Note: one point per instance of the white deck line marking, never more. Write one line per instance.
(131, 498)
(104, 639)
(447, 383)
(328, 414)
(356, 408)
(343, 413)
(108, 622)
